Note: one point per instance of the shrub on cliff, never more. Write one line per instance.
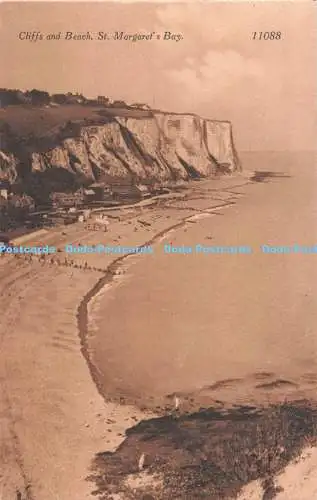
(38, 97)
(9, 97)
(21, 202)
(59, 98)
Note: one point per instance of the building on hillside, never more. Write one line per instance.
(158, 188)
(97, 192)
(5, 189)
(144, 191)
(119, 104)
(4, 193)
(140, 105)
(104, 101)
(90, 195)
(129, 191)
(67, 200)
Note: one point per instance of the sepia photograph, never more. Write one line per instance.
(158, 250)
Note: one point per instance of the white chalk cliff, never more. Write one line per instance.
(160, 148)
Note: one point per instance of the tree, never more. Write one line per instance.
(59, 98)
(9, 97)
(38, 97)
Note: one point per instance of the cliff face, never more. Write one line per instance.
(157, 149)
(8, 166)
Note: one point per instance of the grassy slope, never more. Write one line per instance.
(40, 121)
(210, 454)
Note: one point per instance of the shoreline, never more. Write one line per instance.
(110, 272)
(87, 412)
(67, 402)
(149, 437)
(274, 386)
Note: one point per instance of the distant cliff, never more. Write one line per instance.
(154, 148)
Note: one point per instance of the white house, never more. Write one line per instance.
(4, 193)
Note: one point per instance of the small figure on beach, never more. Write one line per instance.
(176, 402)
(141, 462)
(103, 222)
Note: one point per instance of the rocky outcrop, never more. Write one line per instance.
(8, 167)
(160, 148)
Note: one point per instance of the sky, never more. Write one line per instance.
(267, 88)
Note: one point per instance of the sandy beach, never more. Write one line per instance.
(87, 353)
(53, 418)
